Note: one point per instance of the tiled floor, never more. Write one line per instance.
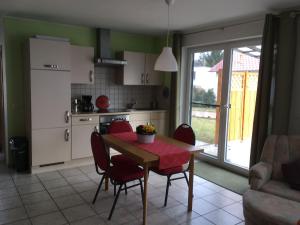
(64, 197)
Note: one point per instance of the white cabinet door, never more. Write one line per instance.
(82, 65)
(152, 77)
(51, 145)
(49, 54)
(50, 98)
(134, 71)
(81, 140)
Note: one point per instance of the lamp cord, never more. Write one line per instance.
(168, 25)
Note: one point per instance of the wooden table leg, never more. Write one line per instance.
(146, 171)
(191, 183)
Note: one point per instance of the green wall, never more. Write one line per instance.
(17, 31)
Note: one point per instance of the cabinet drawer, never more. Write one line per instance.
(140, 117)
(157, 115)
(78, 120)
(49, 54)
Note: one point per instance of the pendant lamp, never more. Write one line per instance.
(166, 61)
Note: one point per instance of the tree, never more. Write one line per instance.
(202, 96)
(209, 59)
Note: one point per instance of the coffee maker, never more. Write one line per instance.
(86, 103)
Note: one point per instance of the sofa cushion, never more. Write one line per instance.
(266, 209)
(291, 173)
(281, 189)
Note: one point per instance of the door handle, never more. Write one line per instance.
(147, 78)
(67, 116)
(51, 66)
(67, 134)
(91, 76)
(85, 119)
(142, 78)
(96, 129)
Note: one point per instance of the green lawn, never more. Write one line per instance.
(204, 129)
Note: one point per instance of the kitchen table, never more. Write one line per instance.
(147, 160)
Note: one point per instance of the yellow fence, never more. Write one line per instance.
(242, 100)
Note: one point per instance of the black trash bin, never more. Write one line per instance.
(19, 148)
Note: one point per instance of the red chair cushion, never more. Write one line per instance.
(119, 126)
(125, 174)
(122, 160)
(168, 171)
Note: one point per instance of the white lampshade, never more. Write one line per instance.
(166, 61)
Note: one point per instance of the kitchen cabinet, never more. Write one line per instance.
(49, 54)
(140, 69)
(82, 128)
(140, 118)
(48, 102)
(158, 119)
(50, 146)
(82, 64)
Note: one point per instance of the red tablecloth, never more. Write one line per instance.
(169, 155)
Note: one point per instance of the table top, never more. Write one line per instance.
(141, 156)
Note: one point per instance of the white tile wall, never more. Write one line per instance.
(119, 95)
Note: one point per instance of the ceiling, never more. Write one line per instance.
(149, 16)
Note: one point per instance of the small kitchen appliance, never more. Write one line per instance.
(86, 103)
(76, 105)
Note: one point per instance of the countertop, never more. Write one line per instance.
(118, 113)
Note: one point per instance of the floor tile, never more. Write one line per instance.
(159, 202)
(54, 218)
(218, 200)
(20, 222)
(85, 186)
(104, 204)
(201, 191)
(61, 191)
(40, 208)
(68, 201)
(159, 218)
(78, 212)
(77, 179)
(30, 188)
(232, 195)
(8, 192)
(87, 169)
(9, 203)
(93, 220)
(26, 180)
(55, 183)
(180, 215)
(70, 172)
(235, 209)
(12, 215)
(120, 216)
(198, 221)
(6, 184)
(220, 217)
(213, 186)
(202, 207)
(35, 197)
(49, 176)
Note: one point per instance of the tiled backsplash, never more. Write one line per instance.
(119, 95)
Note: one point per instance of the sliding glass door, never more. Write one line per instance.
(222, 97)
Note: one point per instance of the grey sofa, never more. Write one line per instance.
(270, 200)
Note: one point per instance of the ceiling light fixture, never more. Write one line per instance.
(166, 61)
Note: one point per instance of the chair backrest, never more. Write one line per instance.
(100, 154)
(185, 134)
(119, 126)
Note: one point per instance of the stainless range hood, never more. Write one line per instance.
(103, 51)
